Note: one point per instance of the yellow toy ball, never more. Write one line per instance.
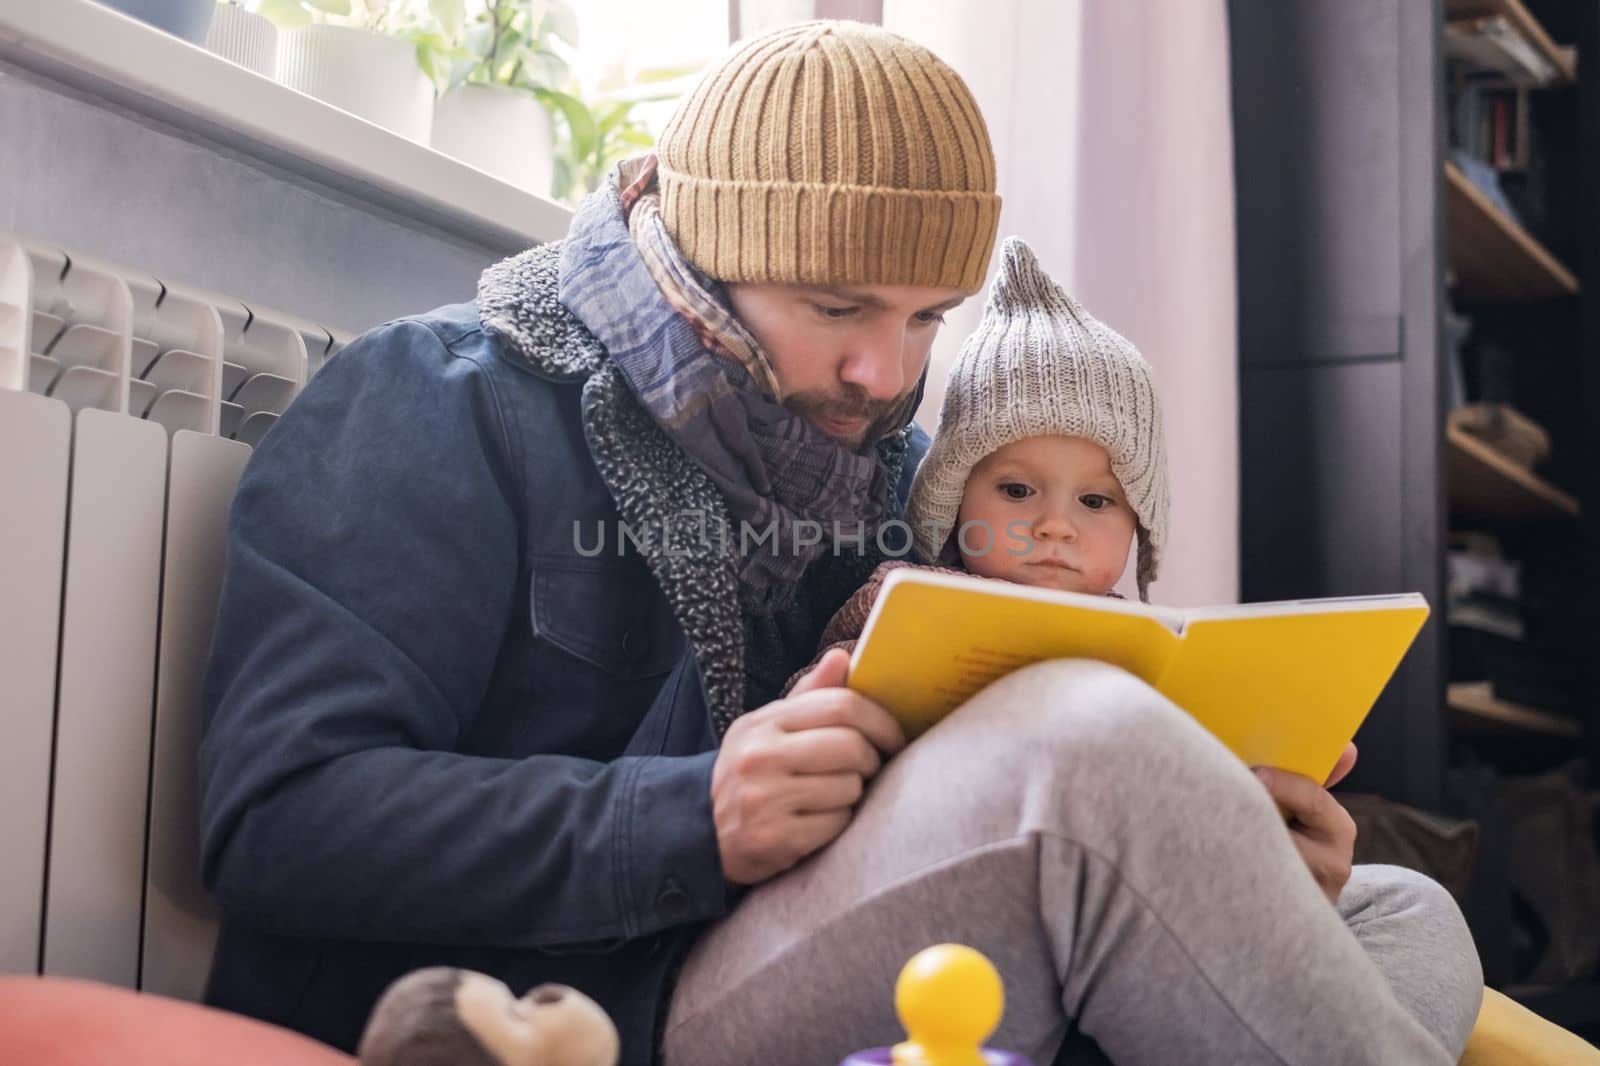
(950, 999)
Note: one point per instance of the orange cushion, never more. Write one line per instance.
(55, 1021)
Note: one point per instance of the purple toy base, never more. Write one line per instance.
(882, 1056)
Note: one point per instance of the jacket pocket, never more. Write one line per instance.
(610, 615)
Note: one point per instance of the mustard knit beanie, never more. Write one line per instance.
(829, 153)
(1039, 364)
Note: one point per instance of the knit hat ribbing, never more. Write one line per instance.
(831, 153)
(1039, 364)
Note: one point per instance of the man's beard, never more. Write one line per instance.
(853, 405)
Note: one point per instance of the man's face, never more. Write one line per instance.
(845, 355)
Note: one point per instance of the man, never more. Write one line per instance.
(513, 587)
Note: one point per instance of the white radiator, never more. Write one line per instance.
(128, 407)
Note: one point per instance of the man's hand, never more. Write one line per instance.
(789, 774)
(1322, 830)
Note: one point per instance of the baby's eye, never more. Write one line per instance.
(1096, 502)
(930, 318)
(1015, 490)
(834, 313)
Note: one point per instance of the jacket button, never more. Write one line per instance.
(673, 902)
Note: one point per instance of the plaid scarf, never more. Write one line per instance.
(703, 378)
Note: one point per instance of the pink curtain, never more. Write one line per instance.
(1113, 136)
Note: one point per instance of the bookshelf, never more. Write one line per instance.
(1504, 280)
(1406, 244)
(1519, 17)
(1475, 702)
(1485, 486)
(1493, 258)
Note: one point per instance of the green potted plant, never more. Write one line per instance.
(351, 54)
(602, 132)
(491, 73)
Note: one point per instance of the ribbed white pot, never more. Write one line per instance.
(370, 75)
(501, 131)
(245, 38)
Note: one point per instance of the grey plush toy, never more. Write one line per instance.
(442, 1016)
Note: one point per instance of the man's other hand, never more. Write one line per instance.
(789, 774)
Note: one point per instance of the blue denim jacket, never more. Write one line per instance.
(436, 732)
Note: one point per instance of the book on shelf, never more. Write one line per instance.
(1491, 122)
(1508, 431)
(1483, 591)
(1494, 43)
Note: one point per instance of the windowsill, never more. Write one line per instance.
(137, 68)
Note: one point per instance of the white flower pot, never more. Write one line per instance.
(245, 38)
(504, 132)
(370, 75)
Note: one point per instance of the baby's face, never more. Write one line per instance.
(1047, 511)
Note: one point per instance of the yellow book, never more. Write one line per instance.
(1281, 684)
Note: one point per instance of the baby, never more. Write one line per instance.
(1048, 466)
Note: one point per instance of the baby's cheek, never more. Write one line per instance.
(992, 564)
(1100, 579)
(1103, 573)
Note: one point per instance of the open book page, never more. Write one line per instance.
(1402, 601)
(1290, 688)
(934, 640)
(1171, 617)
(1281, 684)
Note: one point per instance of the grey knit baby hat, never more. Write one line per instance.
(1039, 364)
